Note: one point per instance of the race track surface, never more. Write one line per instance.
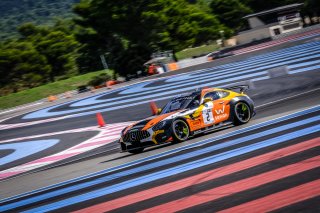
(269, 164)
(248, 166)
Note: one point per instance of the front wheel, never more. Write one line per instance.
(242, 113)
(180, 130)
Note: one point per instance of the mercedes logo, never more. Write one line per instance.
(133, 136)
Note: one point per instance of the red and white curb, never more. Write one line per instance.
(275, 42)
(106, 135)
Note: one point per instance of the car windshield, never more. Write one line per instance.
(180, 103)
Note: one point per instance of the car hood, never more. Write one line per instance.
(149, 122)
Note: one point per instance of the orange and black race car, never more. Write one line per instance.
(187, 115)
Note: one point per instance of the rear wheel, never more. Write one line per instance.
(242, 113)
(180, 130)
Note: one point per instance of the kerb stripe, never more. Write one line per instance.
(200, 143)
(238, 186)
(280, 199)
(203, 177)
(157, 175)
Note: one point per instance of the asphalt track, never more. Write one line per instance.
(242, 166)
(235, 169)
(131, 103)
(31, 152)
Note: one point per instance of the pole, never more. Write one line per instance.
(104, 62)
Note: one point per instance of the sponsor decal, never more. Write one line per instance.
(220, 111)
(219, 117)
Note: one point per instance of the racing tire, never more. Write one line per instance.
(180, 131)
(241, 113)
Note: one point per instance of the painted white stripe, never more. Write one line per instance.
(19, 108)
(106, 135)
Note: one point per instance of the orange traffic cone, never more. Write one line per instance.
(52, 98)
(100, 120)
(109, 84)
(154, 108)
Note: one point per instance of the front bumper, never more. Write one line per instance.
(126, 146)
(155, 138)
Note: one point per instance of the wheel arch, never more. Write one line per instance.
(238, 99)
(185, 120)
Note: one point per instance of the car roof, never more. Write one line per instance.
(199, 91)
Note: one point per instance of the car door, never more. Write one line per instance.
(221, 111)
(215, 111)
(207, 114)
(208, 109)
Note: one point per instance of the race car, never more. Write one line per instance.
(187, 115)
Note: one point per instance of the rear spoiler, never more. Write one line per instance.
(242, 88)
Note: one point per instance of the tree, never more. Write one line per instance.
(230, 12)
(57, 44)
(260, 5)
(60, 50)
(311, 8)
(16, 12)
(21, 65)
(143, 26)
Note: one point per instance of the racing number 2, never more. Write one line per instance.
(208, 116)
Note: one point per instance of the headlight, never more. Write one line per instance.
(159, 125)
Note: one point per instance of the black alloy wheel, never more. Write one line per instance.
(180, 130)
(242, 113)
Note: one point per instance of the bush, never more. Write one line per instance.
(99, 80)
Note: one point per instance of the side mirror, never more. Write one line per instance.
(159, 111)
(206, 100)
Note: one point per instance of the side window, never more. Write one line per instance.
(223, 94)
(194, 103)
(213, 95)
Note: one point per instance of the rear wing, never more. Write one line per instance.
(241, 88)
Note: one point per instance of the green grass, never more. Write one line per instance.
(188, 53)
(44, 91)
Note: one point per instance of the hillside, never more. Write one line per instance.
(15, 12)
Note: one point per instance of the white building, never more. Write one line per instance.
(268, 23)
